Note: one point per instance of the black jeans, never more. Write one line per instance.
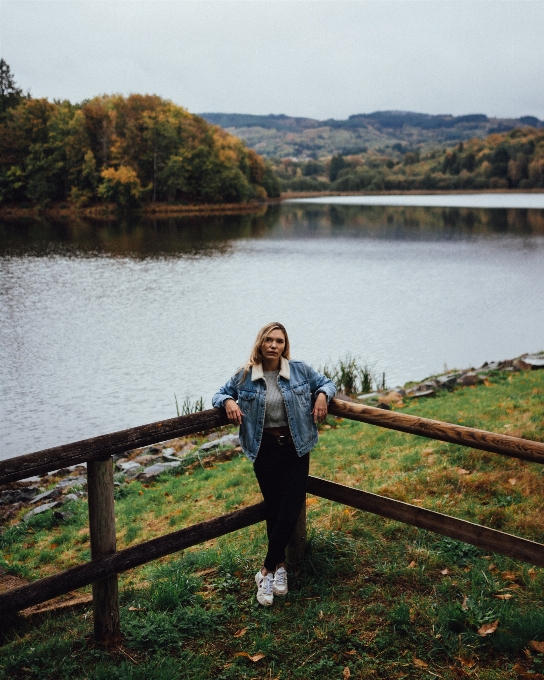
(283, 478)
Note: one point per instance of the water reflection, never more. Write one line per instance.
(141, 237)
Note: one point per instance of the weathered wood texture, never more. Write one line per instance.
(84, 574)
(294, 554)
(108, 444)
(103, 543)
(515, 447)
(489, 539)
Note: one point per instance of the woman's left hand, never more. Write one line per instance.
(320, 408)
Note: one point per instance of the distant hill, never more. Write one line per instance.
(385, 131)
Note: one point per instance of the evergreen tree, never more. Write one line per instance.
(10, 94)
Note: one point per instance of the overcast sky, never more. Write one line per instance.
(321, 59)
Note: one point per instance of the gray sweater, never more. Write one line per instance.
(275, 414)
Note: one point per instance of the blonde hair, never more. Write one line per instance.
(256, 356)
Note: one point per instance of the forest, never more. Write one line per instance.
(509, 160)
(123, 150)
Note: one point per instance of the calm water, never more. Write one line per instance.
(101, 323)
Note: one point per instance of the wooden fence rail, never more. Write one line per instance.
(106, 563)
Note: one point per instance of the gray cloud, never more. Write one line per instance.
(310, 58)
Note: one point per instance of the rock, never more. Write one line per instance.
(39, 510)
(62, 516)
(144, 459)
(230, 440)
(422, 393)
(168, 451)
(71, 497)
(128, 465)
(187, 449)
(505, 364)
(390, 398)
(24, 495)
(154, 471)
(52, 493)
(470, 378)
(213, 436)
(69, 482)
(169, 457)
(528, 363)
(133, 472)
(370, 395)
(447, 381)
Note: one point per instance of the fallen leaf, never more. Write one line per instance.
(537, 646)
(311, 501)
(462, 471)
(352, 630)
(488, 628)
(352, 652)
(512, 481)
(420, 663)
(444, 572)
(464, 605)
(504, 596)
(254, 658)
(346, 673)
(469, 663)
(206, 571)
(413, 615)
(492, 567)
(412, 565)
(508, 575)
(241, 632)
(532, 572)
(135, 609)
(417, 500)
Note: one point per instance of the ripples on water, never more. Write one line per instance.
(100, 323)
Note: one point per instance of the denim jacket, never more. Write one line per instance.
(299, 385)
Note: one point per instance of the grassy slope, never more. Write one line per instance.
(374, 595)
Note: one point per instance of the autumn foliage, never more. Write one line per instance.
(125, 150)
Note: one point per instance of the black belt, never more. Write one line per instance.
(281, 439)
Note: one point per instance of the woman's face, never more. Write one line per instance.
(273, 345)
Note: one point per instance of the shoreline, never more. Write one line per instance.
(108, 211)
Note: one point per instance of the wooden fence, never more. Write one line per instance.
(106, 562)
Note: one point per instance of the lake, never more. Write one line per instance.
(101, 323)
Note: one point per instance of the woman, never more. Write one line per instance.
(277, 403)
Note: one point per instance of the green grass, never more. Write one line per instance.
(378, 597)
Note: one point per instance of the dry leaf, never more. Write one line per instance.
(462, 471)
(352, 652)
(135, 609)
(413, 615)
(321, 615)
(492, 567)
(444, 572)
(417, 500)
(469, 663)
(412, 565)
(206, 571)
(537, 646)
(508, 575)
(512, 481)
(420, 663)
(241, 632)
(464, 605)
(346, 673)
(532, 572)
(311, 501)
(504, 596)
(488, 628)
(254, 658)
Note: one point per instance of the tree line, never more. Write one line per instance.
(510, 160)
(125, 150)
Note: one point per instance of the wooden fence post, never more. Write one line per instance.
(103, 543)
(296, 547)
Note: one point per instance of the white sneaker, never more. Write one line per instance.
(280, 582)
(265, 592)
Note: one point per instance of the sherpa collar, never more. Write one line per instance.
(285, 371)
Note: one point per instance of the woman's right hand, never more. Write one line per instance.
(233, 412)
